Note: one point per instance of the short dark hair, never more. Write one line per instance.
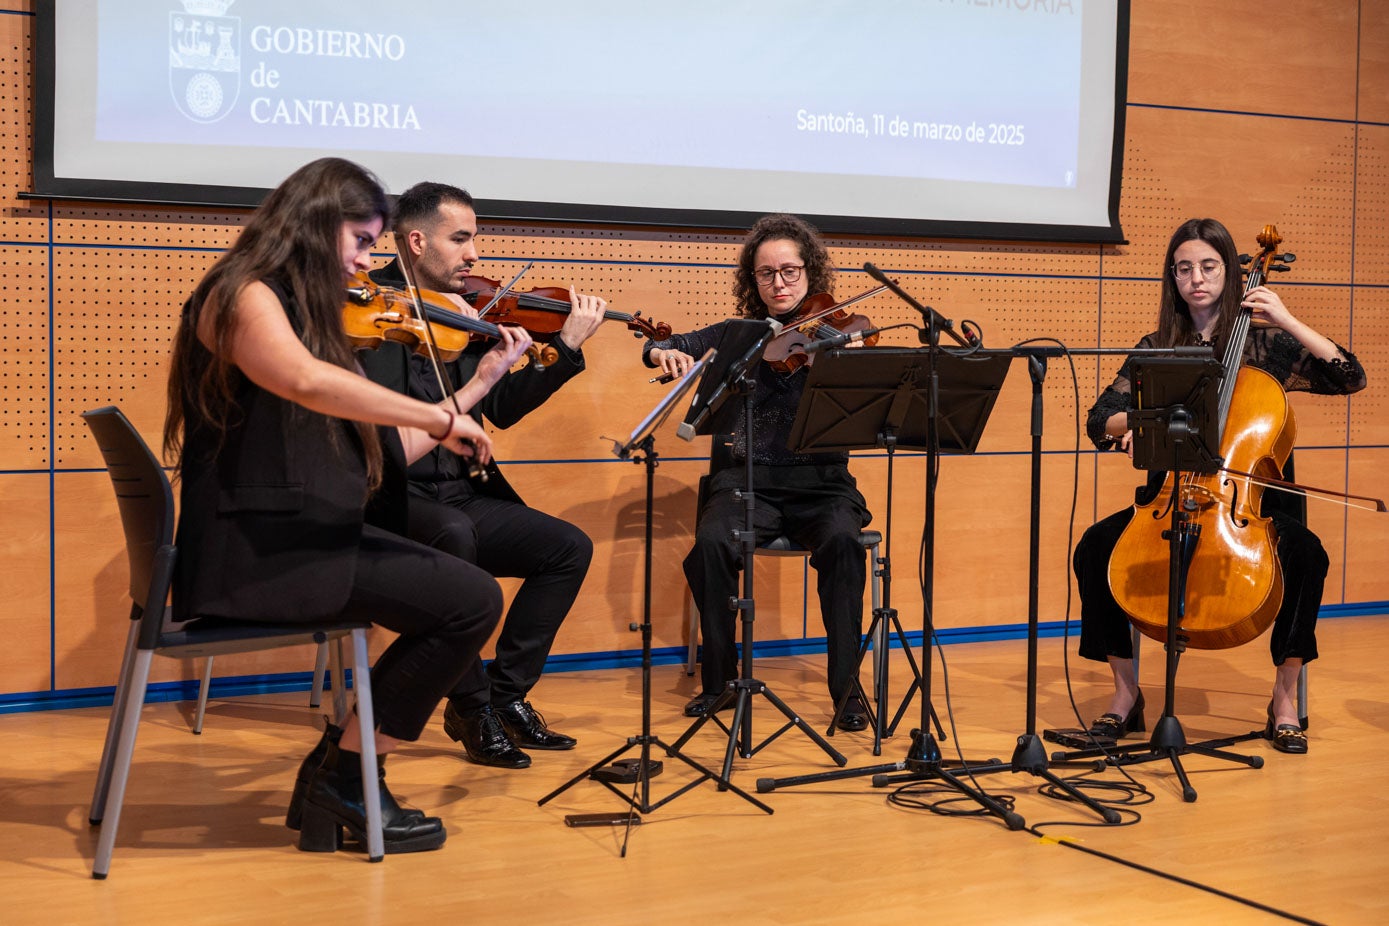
(420, 204)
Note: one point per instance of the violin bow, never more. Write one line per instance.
(1326, 495)
(503, 290)
(441, 376)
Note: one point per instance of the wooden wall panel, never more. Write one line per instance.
(115, 313)
(25, 583)
(24, 372)
(1373, 102)
(1372, 203)
(1248, 172)
(1246, 56)
(1235, 114)
(20, 220)
(1366, 532)
(1369, 410)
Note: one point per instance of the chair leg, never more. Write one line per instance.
(320, 669)
(202, 696)
(882, 639)
(113, 728)
(120, 766)
(339, 681)
(366, 720)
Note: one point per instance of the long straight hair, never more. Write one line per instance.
(1175, 327)
(293, 238)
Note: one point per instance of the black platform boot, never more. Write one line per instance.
(334, 802)
(312, 762)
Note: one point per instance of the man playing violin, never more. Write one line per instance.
(1201, 298)
(482, 519)
(810, 498)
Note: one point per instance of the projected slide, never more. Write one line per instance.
(966, 110)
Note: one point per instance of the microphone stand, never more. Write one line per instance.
(641, 449)
(924, 760)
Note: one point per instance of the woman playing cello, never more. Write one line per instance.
(1201, 299)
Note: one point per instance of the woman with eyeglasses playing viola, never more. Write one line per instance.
(810, 498)
(1202, 293)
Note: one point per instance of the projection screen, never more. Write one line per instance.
(971, 118)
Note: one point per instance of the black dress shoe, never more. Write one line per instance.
(1285, 737)
(699, 705)
(527, 728)
(483, 737)
(854, 717)
(1112, 726)
(334, 802)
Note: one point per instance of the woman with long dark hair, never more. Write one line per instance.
(1202, 294)
(279, 440)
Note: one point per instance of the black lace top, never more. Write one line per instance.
(1272, 350)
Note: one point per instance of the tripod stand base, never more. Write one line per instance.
(740, 692)
(642, 771)
(1168, 742)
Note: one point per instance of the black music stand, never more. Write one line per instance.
(856, 400)
(1176, 427)
(947, 397)
(740, 347)
(640, 448)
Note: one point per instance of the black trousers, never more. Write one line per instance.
(1104, 627)
(507, 538)
(817, 510)
(443, 611)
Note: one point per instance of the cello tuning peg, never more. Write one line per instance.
(1287, 258)
(1244, 259)
(1279, 268)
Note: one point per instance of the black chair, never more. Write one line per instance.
(326, 654)
(147, 515)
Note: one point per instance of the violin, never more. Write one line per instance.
(817, 317)
(374, 314)
(542, 310)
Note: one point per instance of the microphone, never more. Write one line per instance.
(933, 318)
(840, 340)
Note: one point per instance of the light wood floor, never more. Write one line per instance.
(202, 838)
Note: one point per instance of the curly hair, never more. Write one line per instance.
(780, 226)
(293, 237)
(1175, 327)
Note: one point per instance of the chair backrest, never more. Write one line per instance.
(145, 498)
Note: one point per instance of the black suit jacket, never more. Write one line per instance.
(514, 396)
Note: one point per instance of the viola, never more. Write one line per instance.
(374, 314)
(541, 311)
(1234, 582)
(816, 318)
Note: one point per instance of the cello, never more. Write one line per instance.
(1234, 581)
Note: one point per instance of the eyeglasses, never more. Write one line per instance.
(1210, 269)
(789, 274)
